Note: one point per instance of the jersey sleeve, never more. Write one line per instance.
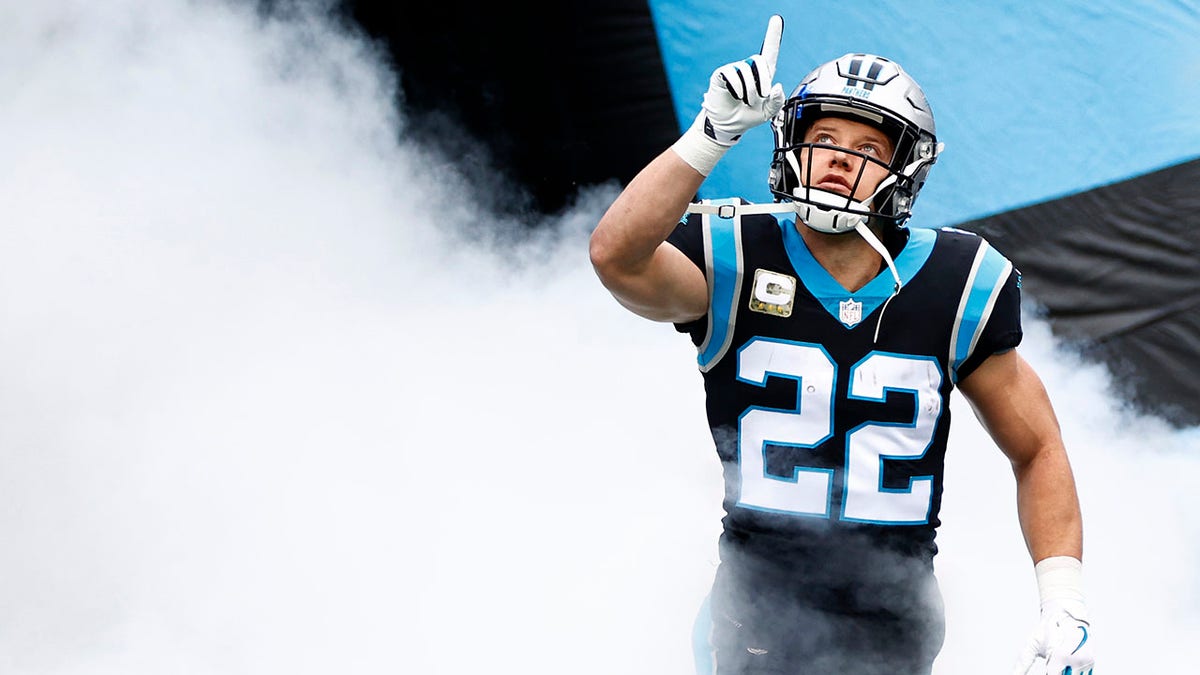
(688, 237)
(1002, 330)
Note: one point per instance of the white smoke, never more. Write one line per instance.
(262, 409)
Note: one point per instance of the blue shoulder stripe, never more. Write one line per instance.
(723, 257)
(989, 272)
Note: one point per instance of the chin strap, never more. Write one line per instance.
(869, 236)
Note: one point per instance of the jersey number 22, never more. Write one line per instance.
(809, 490)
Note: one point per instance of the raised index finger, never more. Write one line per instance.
(770, 47)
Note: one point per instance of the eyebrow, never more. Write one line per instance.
(873, 135)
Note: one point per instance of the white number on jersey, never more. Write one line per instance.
(808, 490)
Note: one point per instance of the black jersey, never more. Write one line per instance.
(830, 408)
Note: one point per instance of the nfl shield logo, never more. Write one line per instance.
(850, 312)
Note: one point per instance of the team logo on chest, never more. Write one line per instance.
(773, 293)
(850, 312)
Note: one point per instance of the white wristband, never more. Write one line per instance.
(697, 149)
(1060, 581)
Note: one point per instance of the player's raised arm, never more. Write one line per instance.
(627, 249)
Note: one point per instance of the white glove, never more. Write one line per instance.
(1061, 643)
(740, 96)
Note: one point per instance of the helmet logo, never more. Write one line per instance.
(863, 72)
(868, 82)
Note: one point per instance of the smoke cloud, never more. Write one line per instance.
(280, 394)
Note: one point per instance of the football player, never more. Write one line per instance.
(830, 336)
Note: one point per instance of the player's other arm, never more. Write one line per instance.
(629, 251)
(1011, 402)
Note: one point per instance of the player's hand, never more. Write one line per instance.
(1061, 644)
(740, 96)
(743, 95)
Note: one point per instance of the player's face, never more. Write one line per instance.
(835, 170)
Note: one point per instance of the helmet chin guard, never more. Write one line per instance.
(829, 212)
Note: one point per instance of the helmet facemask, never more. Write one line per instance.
(830, 211)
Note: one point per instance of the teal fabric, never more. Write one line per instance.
(1034, 101)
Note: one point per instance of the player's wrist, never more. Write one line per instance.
(698, 149)
(1060, 585)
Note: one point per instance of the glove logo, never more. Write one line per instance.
(1082, 641)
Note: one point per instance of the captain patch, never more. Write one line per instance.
(773, 293)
